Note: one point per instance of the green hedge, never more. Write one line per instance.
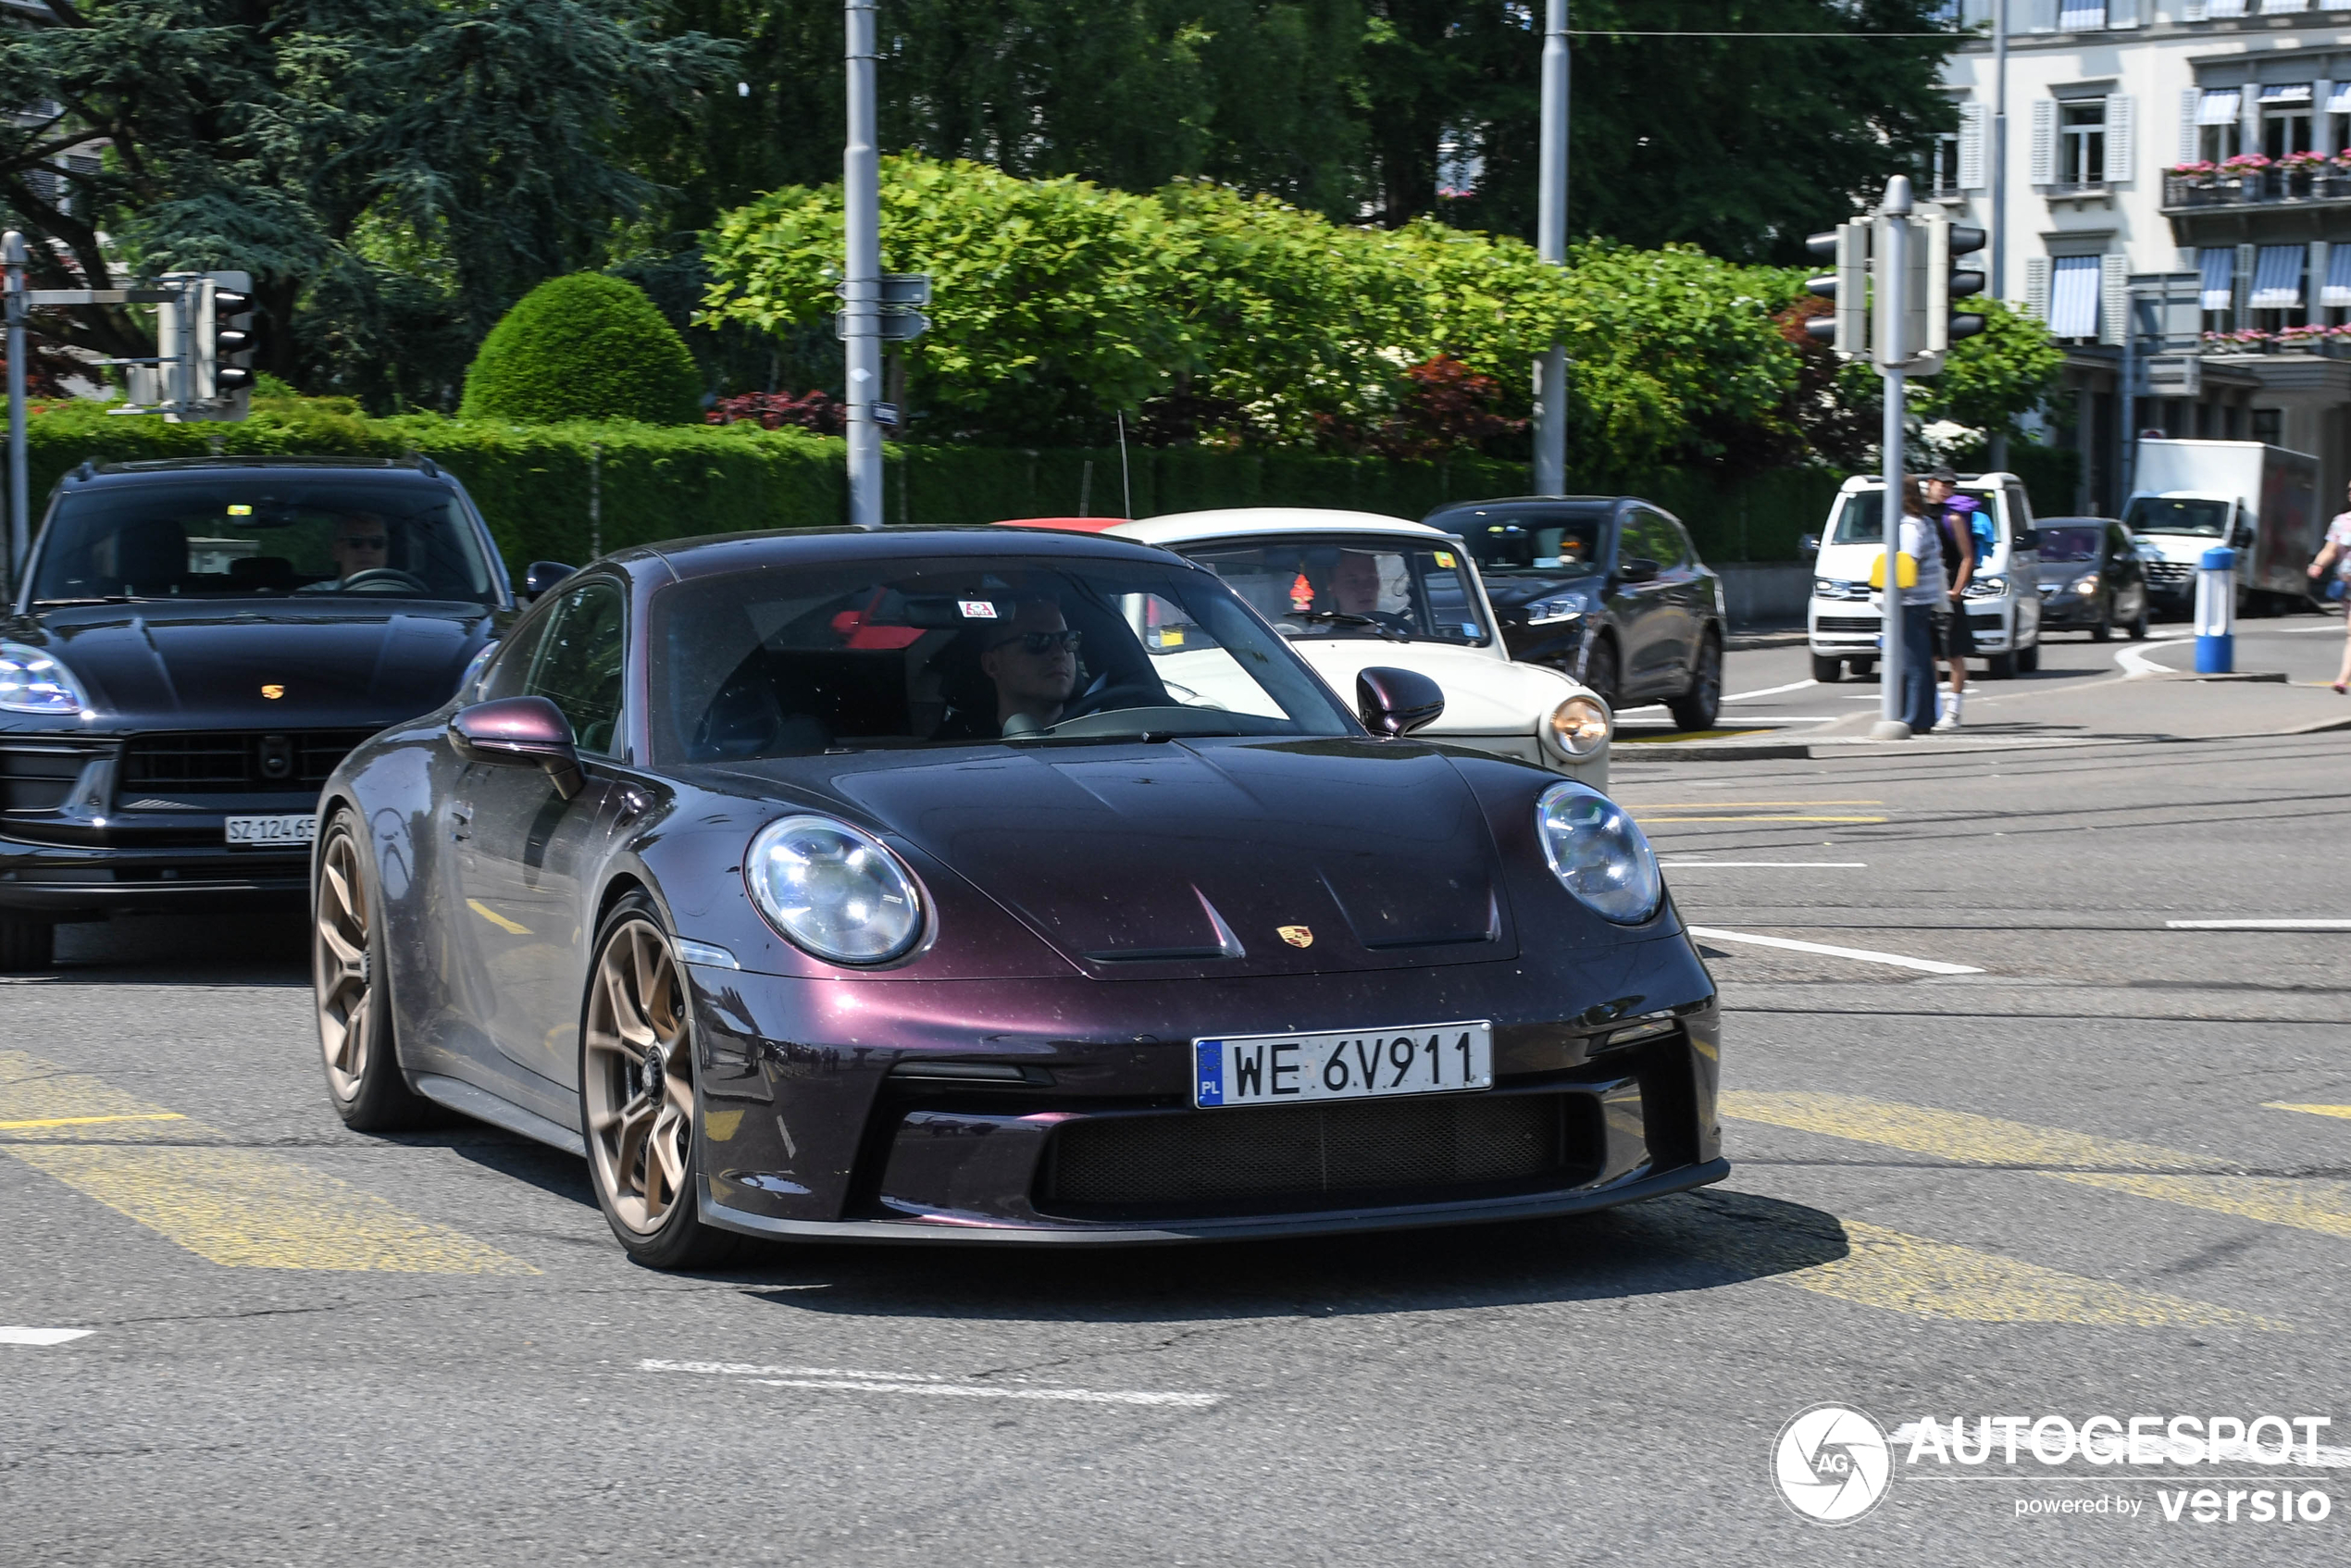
(535, 482)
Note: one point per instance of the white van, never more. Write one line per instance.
(2003, 602)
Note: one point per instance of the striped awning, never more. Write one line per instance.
(2339, 99)
(2218, 264)
(2337, 291)
(2218, 106)
(2074, 297)
(2286, 92)
(2277, 277)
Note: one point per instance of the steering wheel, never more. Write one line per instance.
(383, 579)
(1133, 694)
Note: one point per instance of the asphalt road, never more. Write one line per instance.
(2060, 1176)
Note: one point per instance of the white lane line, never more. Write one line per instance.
(2135, 664)
(1769, 690)
(848, 1380)
(1933, 966)
(1784, 865)
(43, 1335)
(2258, 925)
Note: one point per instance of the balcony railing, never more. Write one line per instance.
(2263, 187)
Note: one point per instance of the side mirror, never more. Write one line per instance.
(1808, 544)
(519, 732)
(2028, 539)
(540, 576)
(2242, 538)
(1637, 569)
(1394, 703)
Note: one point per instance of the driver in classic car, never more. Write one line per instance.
(362, 543)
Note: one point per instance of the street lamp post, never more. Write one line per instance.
(861, 323)
(1891, 345)
(20, 536)
(1550, 235)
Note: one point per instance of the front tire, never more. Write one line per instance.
(347, 981)
(2139, 626)
(1601, 673)
(26, 945)
(1697, 707)
(638, 1103)
(1827, 671)
(2028, 660)
(2000, 666)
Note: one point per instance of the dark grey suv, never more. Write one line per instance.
(1608, 589)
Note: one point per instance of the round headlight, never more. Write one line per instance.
(1598, 852)
(34, 682)
(834, 890)
(1580, 727)
(2087, 585)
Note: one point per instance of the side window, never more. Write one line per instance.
(510, 660)
(577, 665)
(1684, 553)
(1649, 537)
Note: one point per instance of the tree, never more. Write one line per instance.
(392, 172)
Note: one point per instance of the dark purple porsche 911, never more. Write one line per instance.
(985, 885)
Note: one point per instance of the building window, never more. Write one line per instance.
(2074, 297)
(2216, 266)
(2277, 286)
(2269, 424)
(2080, 15)
(2220, 8)
(1943, 166)
(2217, 118)
(2081, 143)
(2286, 120)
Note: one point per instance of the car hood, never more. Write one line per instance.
(215, 662)
(1143, 861)
(1485, 693)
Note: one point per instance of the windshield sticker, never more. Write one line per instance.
(238, 509)
(976, 609)
(1445, 559)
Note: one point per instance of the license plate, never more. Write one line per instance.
(291, 828)
(1360, 1065)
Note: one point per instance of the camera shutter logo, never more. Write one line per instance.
(1832, 1464)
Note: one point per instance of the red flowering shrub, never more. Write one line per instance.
(811, 411)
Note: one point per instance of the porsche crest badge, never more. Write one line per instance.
(273, 691)
(1297, 936)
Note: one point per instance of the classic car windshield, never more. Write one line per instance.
(1553, 542)
(1322, 586)
(245, 533)
(962, 651)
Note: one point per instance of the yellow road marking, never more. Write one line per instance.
(509, 926)
(1637, 817)
(2173, 1176)
(2342, 1111)
(1896, 1272)
(235, 1207)
(90, 1120)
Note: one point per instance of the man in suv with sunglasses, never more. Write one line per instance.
(1032, 660)
(362, 543)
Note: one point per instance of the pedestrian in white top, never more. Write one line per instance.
(1922, 601)
(2336, 557)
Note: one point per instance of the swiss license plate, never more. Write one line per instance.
(289, 829)
(1358, 1065)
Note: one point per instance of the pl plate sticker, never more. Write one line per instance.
(976, 609)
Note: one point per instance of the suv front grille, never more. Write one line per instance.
(1305, 1157)
(1848, 623)
(36, 777)
(233, 761)
(2168, 571)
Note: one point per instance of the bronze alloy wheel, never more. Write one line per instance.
(354, 1012)
(637, 1095)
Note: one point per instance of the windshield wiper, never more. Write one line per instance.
(1341, 617)
(93, 599)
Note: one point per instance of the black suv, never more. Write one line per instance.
(194, 646)
(1608, 589)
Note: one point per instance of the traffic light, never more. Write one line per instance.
(221, 355)
(1847, 245)
(1946, 282)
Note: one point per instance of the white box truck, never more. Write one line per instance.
(2187, 496)
(2003, 600)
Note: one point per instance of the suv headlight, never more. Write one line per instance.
(1599, 853)
(35, 682)
(1579, 728)
(2087, 585)
(834, 890)
(1550, 611)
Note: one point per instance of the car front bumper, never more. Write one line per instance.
(68, 882)
(827, 1111)
(1846, 628)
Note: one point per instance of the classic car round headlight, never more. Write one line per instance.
(2087, 585)
(834, 890)
(1579, 726)
(34, 682)
(1598, 852)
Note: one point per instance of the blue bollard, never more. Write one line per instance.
(2216, 612)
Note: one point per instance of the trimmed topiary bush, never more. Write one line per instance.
(583, 347)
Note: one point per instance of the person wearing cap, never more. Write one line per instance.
(1954, 638)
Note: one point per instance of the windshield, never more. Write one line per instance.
(2165, 514)
(1327, 587)
(1551, 541)
(2067, 541)
(965, 651)
(258, 533)
(1860, 520)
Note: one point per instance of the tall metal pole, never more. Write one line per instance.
(861, 283)
(1999, 225)
(1550, 239)
(1891, 264)
(12, 258)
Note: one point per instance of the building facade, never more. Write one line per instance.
(2178, 211)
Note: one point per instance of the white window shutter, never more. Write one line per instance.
(2036, 288)
(1972, 137)
(2119, 138)
(2192, 10)
(2114, 302)
(2122, 13)
(2045, 127)
(2190, 101)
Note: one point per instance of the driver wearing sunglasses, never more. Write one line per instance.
(362, 543)
(1033, 662)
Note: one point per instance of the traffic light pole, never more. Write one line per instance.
(1892, 349)
(12, 258)
(1550, 235)
(861, 325)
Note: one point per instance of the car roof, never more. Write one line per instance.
(1242, 522)
(1537, 501)
(2048, 522)
(88, 473)
(713, 554)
